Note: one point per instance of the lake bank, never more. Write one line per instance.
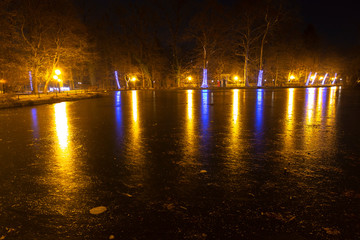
(23, 100)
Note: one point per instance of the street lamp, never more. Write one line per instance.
(133, 79)
(56, 77)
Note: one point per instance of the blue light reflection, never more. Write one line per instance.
(259, 111)
(118, 113)
(35, 125)
(204, 110)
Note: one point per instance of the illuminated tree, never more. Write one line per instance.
(51, 36)
(207, 28)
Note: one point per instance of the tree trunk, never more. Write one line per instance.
(246, 68)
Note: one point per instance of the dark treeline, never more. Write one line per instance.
(162, 43)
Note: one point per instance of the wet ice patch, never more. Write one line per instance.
(98, 210)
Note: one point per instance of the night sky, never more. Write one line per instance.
(337, 22)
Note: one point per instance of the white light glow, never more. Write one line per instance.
(117, 79)
(204, 82)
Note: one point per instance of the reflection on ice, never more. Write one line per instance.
(61, 124)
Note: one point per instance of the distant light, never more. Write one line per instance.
(260, 76)
(56, 77)
(189, 78)
(65, 88)
(204, 82)
(59, 80)
(313, 78)
(57, 72)
(334, 79)
(321, 78)
(133, 79)
(236, 78)
(292, 77)
(117, 79)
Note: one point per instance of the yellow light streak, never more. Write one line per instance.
(235, 105)
(319, 106)
(61, 124)
(190, 104)
(289, 123)
(134, 105)
(310, 105)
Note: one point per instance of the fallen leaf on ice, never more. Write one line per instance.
(98, 210)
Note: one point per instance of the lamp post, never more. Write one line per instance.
(133, 79)
(236, 79)
(56, 77)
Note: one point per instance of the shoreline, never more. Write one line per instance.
(25, 100)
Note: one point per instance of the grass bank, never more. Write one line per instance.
(22, 100)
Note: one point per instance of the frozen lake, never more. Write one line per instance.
(193, 164)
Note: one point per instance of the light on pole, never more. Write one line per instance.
(56, 77)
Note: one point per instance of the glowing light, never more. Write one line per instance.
(235, 105)
(292, 77)
(57, 72)
(35, 125)
(331, 106)
(313, 78)
(189, 103)
(324, 78)
(235, 143)
(333, 82)
(134, 106)
(118, 113)
(65, 89)
(117, 79)
(319, 104)
(310, 98)
(135, 148)
(289, 123)
(321, 78)
(259, 111)
(190, 135)
(31, 84)
(204, 82)
(56, 77)
(189, 78)
(290, 108)
(205, 111)
(236, 78)
(61, 124)
(259, 83)
(133, 79)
